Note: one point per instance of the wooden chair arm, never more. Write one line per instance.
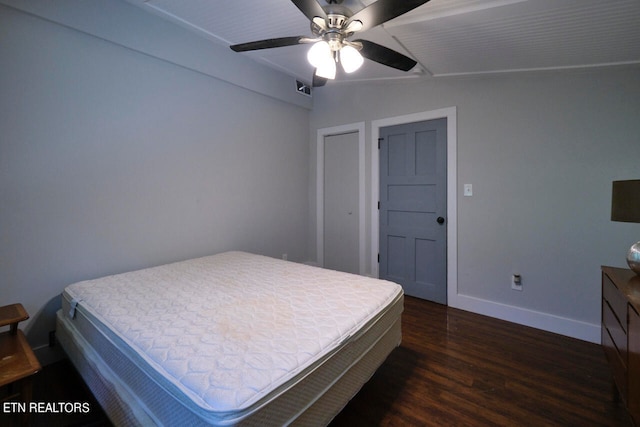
(11, 315)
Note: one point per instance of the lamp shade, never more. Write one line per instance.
(625, 201)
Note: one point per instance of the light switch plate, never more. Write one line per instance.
(468, 190)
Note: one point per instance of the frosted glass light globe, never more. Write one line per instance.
(327, 70)
(350, 59)
(319, 54)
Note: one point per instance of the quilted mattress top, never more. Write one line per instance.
(229, 328)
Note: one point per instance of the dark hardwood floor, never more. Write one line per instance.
(453, 368)
(59, 383)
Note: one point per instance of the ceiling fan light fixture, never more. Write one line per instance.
(320, 54)
(332, 27)
(350, 59)
(327, 70)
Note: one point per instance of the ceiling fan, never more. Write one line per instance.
(332, 25)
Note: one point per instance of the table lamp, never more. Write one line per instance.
(625, 207)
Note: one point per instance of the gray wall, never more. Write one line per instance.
(112, 159)
(541, 151)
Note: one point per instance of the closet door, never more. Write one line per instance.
(341, 209)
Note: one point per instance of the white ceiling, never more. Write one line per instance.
(446, 37)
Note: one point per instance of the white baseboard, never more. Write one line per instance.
(535, 319)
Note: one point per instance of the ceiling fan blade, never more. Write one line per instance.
(310, 8)
(318, 81)
(268, 43)
(385, 56)
(384, 10)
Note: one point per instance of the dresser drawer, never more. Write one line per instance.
(618, 368)
(616, 300)
(634, 365)
(621, 333)
(617, 334)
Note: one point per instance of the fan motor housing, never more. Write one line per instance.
(336, 20)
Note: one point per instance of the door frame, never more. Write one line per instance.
(450, 114)
(358, 127)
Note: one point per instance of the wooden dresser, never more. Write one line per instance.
(621, 333)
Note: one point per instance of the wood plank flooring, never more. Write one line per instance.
(453, 368)
(456, 368)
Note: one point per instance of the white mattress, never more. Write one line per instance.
(225, 335)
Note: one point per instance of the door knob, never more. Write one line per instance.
(440, 220)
